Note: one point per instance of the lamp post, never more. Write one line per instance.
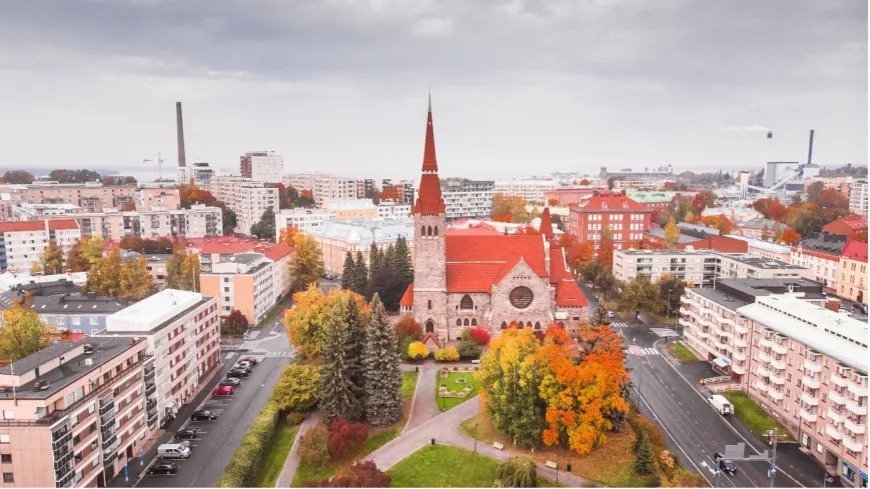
(475, 437)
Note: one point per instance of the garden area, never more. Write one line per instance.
(755, 418)
(681, 352)
(454, 388)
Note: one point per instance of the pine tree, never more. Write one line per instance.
(355, 322)
(376, 264)
(643, 462)
(360, 282)
(383, 379)
(347, 273)
(403, 255)
(528, 424)
(337, 395)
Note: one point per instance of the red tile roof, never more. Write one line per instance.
(855, 250)
(482, 230)
(609, 202)
(407, 299)
(12, 226)
(546, 226)
(476, 262)
(846, 225)
(558, 270)
(233, 244)
(568, 294)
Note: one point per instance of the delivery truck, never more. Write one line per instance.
(721, 404)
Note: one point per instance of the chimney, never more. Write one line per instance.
(182, 161)
(810, 154)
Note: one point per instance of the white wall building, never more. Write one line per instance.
(529, 189)
(111, 224)
(264, 166)
(248, 198)
(323, 186)
(392, 210)
(21, 242)
(301, 218)
(468, 198)
(858, 197)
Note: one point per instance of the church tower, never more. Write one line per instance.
(430, 268)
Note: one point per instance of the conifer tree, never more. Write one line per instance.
(355, 323)
(403, 261)
(383, 379)
(376, 265)
(360, 282)
(600, 315)
(347, 272)
(643, 462)
(337, 395)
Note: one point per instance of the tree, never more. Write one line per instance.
(235, 324)
(605, 248)
(672, 233)
(359, 474)
(23, 333)
(789, 237)
(702, 200)
(287, 235)
(74, 176)
(296, 390)
(51, 259)
(307, 265)
(341, 384)
(776, 211)
(720, 222)
(105, 274)
(17, 177)
(600, 315)
(605, 281)
(468, 350)
(344, 437)
(478, 335)
(314, 446)
(347, 272)
(84, 253)
(135, 283)
(447, 354)
(182, 269)
(306, 321)
(162, 245)
(418, 350)
(383, 378)
(639, 294)
(517, 472)
(359, 282)
(643, 462)
(265, 228)
(765, 233)
(512, 205)
(670, 291)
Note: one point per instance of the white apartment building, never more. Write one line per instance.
(699, 267)
(858, 197)
(21, 242)
(822, 266)
(183, 333)
(324, 187)
(307, 220)
(300, 218)
(765, 249)
(200, 172)
(248, 198)
(27, 211)
(111, 224)
(640, 184)
(264, 166)
(531, 190)
(392, 210)
(467, 198)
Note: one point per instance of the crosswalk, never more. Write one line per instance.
(280, 354)
(641, 351)
(665, 332)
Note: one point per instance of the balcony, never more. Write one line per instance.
(839, 381)
(762, 372)
(836, 415)
(808, 416)
(834, 432)
(809, 398)
(836, 398)
(855, 408)
(853, 444)
(855, 426)
(738, 355)
(775, 394)
(765, 343)
(778, 364)
(780, 348)
(857, 389)
(738, 342)
(740, 328)
(812, 367)
(760, 385)
(777, 379)
(738, 368)
(811, 382)
(763, 357)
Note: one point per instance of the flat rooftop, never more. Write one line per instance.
(733, 293)
(153, 312)
(761, 262)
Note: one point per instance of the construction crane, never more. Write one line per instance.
(160, 160)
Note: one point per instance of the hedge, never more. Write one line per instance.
(240, 471)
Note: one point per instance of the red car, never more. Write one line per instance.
(223, 390)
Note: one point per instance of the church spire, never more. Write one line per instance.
(429, 199)
(430, 164)
(546, 226)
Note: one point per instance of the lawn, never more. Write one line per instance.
(273, 461)
(409, 383)
(753, 416)
(444, 466)
(456, 381)
(681, 352)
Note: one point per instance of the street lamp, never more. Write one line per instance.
(475, 437)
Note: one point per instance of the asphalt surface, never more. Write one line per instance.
(213, 449)
(668, 395)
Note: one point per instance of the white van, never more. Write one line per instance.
(173, 450)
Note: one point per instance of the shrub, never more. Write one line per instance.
(468, 350)
(517, 472)
(408, 328)
(643, 462)
(313, 446)
(296, 389)
(294, 418)
(360, 474)
(404, 343)
(418, 351)
(449, 354)
(345, 437)
(479, 336)
(240, 471)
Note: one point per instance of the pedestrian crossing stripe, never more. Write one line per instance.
(651, 351)
(664, 332)
(279, 354)
(642, 351)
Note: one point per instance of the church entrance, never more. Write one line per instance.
(430, 326)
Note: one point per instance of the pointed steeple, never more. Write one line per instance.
(546, 226)
(429, 199)
(430, 164)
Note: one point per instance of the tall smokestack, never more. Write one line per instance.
(810, 155)
(182, 161)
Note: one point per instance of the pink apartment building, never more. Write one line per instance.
(75, 412)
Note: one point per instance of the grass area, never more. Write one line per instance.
(754, 416)
(456, 381)
(409, 383)
(271, 464)
(681, 352)
(444, 466)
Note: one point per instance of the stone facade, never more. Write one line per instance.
(430, 273)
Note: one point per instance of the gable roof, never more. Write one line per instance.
(609, 202)
(407, 299)
(476, 262)
(846, 225)
(855, 250)
(568, 294)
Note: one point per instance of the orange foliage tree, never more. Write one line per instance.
(527, 229)
(288, 235)
(789, 236)
(605, 249)
(720, 222)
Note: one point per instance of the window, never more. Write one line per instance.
(7, 414)
(521, 297)
(6, 457)
(94, 321)
(4, 438)
(458, 322)
(473, 322)
(76, 320)
(429, 304)
(466, 302)
(8, 477)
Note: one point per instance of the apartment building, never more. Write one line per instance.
(467, 198)
(840, 184)
(394, 210)
(243, 281)
(532, 190)
(324, 187)
(248, 198)
(200, 172)
(27, 211)
(337, 238)
(655, 199)
(91, 197)
(9, 280)
(112, 225)
(300, 218)
(697, 237)
(264, 166)
(759, 228)
(821, 261)
(858, 197)
(157, 196)
(63, 305)
(641, 184)
(181, 331)
(852, 272)
(626, 219)
(808, 369)
(765, 249)
(21, 242)
(351, 208)
(97, 411)
(565, 196)
(699, 267)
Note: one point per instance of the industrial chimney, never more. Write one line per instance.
(182, 161)
(810, 155)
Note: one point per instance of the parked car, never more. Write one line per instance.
(231, 382)
(239, 373)
(163, 469)
(244, 364)
(610, 314)
(728, 466)
(253, 360)
(203, 415)
(40, 385)
(186, 434)
(222, 390)
(173, 450)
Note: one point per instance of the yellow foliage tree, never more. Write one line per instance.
(23, 333)
(672, 233)
(306, 321)
(449, 354)
(418, 350)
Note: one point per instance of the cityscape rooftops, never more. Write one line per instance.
(855, 250)
(824, 243)
(733, 293)
(40, 225)
(608, 202)
(366, 231)
(761, 244)
(9, 279)
(350, 205)
(761, 223)
(152, 312)
(761, 262)
(833, 333)
(234, 244)
(654, 196)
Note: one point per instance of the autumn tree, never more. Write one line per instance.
(345, 437)
(17, 177)
(127, 280)
(287, 235)
(23, 333)
(605, 248)
(720, 222)
(296, 390)
(360, 474)
(182, 269)
(380, 364)
(306, 321)
(84, 253)
(235, 324)
(788, 237)
(512, 205)
(639, 294)
(407, 327)
(672, 233)
(51, 259)
(135, 283)
(307, 264)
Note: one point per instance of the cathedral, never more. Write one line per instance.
(479, 277)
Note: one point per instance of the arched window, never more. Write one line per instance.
(466, 302)
(465, 323)
(436, 230)
(503, 325)
(529, 324)
(423, 231)
(537, 326)
(429, 231)
(458, 322)
(429, 304)
(430, 326)
(474, 321)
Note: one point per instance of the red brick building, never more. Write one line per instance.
(626, 219)
(563, 196)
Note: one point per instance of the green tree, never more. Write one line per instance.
(347, 272)
(265, 228)
(51, 259)
(672, 233)
(339, 395)
(23, 333)
(296, 390)
(383, 378)
(516, 472)
(643, 462)
(639, 294)
(182, 270)
(670, 290)
(600, 315)
(376, 270)
(307, 264)
(84, 253)
(605, 281)
(360, 279)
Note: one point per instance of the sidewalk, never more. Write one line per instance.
(288, 471)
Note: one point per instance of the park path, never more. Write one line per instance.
(288, 471)
(423, 405)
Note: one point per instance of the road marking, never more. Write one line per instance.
(665, 332)
(230, 355)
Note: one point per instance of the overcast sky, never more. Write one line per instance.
(518, 87)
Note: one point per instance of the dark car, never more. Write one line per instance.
(163, 469)
(203, 415)
(232, 382)
(238, 373)
(728, 466)
(186, 434)
(40, 385)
